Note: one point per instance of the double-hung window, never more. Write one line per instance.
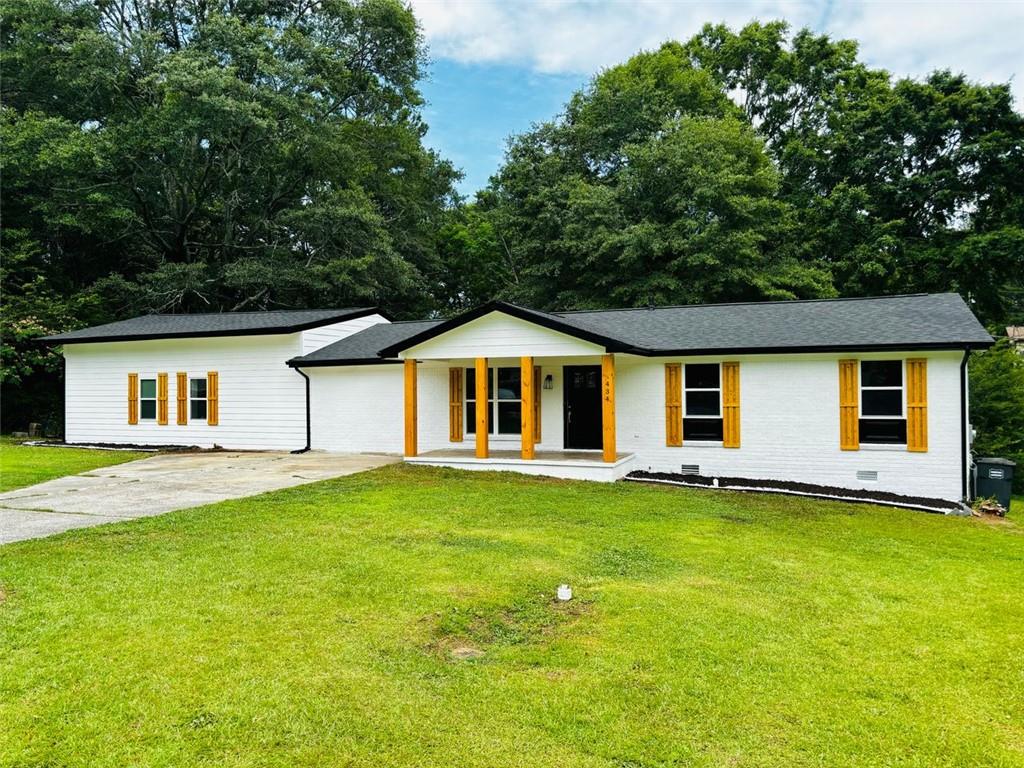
(504, 402)
(882, 417)
(702, 401)
(197, 398)
(147, 399)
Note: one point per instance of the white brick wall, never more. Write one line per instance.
(789, 424)
(789, 419)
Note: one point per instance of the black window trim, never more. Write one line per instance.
(862, 416)
(704, 417)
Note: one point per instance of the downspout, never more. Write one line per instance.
(308, 425)
(963, 424)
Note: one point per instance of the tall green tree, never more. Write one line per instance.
(997, 405)
(215, 155)
(649, 189)
(898, 186)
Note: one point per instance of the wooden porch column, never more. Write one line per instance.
(608, 406)
(527, 407)
(410, 407)
(483, 408)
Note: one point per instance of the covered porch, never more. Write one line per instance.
(517, 393)
(550, 415)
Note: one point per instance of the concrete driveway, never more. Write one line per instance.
(163, 483)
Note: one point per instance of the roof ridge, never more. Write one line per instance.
(245, 312)
(559, 313)
(399, 322)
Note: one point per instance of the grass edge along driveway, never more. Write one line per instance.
(25, 465)
(404, 616)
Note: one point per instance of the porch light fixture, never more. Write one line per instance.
(549, 382)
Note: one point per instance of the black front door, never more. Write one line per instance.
(582, 405)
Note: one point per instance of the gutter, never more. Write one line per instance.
(309, 439)
(963, 425)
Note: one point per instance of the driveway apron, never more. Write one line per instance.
(164, 483)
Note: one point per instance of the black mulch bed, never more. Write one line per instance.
(810, 489)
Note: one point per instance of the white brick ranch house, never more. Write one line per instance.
(860, 394)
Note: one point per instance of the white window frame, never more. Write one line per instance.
(154, 399)
(901, 388)
(191, 399)
(492, 404)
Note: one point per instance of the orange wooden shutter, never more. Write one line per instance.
(133, 398)
(673, 404)
(917, 405)
(731, 405)
(455, 378)
(537, 390)
(181, 396)
(161, 398)
(212, 399)
(849, 407)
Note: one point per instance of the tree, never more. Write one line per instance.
(205, 156)
(997, 404)
(898, 186)
(650, 189)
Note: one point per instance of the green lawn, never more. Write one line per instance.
(22, 465)
(404, 617)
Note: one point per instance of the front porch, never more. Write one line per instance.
(515, 396)
(568, 465)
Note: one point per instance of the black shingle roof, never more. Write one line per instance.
(919, 321)
(364, 347)
(212, 324)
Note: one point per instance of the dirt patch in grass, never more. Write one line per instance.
(632, 562)
(465, 632)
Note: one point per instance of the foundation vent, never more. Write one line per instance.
(689, 469)
(870, 475)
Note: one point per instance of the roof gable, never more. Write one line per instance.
(543, 319)
(917, 321)
(498, 334)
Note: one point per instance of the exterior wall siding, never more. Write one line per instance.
(499, 335)
(317, 338)
(789, 423)
(262, 401)
(789, 420)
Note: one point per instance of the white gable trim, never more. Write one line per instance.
(498, 334)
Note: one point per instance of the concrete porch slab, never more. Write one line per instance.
(567, 465)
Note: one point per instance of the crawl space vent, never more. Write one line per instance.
(867, 474)
(689, 469)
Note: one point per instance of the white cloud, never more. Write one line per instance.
(981, 39)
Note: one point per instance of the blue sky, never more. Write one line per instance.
(472, 108)
(501, 65)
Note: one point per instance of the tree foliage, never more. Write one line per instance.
(214, 155)
(852, 182)
(209, 155)
(997, 405)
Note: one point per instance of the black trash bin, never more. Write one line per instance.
(995, 479)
